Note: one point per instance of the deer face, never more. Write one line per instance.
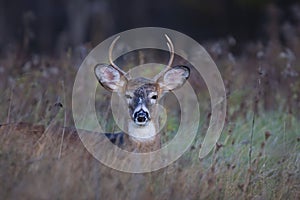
(141, 94)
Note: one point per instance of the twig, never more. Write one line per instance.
(255, 109)
(9, 107)
(284, 136)
(249, 174)
(65, 119)
(251, 141)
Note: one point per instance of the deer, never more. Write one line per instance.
(141, 96)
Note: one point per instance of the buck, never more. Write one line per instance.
(141, 96)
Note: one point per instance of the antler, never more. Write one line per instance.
(110, 56)
(171, 49)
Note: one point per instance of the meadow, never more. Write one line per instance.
(257, 156)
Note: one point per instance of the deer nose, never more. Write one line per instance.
(141, 117)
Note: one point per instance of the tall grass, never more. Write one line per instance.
(257, 156)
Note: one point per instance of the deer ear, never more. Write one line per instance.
(174, 78)
(109, 77)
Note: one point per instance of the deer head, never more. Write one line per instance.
(141, 94)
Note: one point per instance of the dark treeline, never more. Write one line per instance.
(50, 26)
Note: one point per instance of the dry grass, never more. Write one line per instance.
(259, 160)
(30, 167)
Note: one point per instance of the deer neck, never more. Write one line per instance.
(143, 138)
(142, 133)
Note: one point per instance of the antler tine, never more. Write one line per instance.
(171, 49)
(110, 56)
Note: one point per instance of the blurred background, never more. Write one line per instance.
(249, 40)
(53, 26)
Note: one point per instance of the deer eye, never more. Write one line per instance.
(154, 97)
(128, 96)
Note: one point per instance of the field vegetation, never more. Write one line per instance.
(257, 156)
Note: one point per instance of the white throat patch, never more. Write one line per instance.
(142, 133)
